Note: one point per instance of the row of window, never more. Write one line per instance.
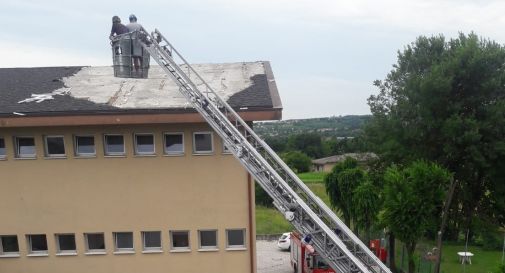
(123, 242)
(114, 145)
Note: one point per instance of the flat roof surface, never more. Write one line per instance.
(53, 91)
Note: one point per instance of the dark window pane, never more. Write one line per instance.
(180, 239)
(236, 237)
(2, 147)
(173, 144)
(55, 146)
(208, 238)
(145, 143)
(203, 142)
(38, 242)
(114, 144)
(152, 239)
(85, 145)
(25, 146)
(95, 242)
(66, 242)
(10, 243)
(124, 240)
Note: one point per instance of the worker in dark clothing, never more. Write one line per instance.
(117, 27)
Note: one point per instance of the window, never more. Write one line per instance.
(9, 245)
(144, 144)
(65, 243)
(208, 239)
(174, 143)
(180, 240)
(202, 143)
(85, 146)
(2, 148)
(25, 147)
(55, 146)
(151, 240)
(123, 241)
(235, 238)
(95, 242)
(37, 244)
(114, 145)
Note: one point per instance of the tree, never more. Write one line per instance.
(413, 198)
(310, 144)
(444, 101)
(297, 161)
(366, 205)
(340, 183)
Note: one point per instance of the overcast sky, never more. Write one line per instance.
(325, 54)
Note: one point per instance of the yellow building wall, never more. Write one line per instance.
(131, 194)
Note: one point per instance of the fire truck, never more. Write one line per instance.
(304, 259)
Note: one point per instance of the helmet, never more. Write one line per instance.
(116, 19)
(133, 18)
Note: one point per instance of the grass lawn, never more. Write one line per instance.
(483, 261)
(270, 221)
(312, 177)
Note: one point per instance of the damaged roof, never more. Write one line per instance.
(57, 91)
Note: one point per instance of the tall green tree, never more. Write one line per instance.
(340, 184)
(413, 198)
(297, 161)
(366, 205)
(444, 101)
(308, 143)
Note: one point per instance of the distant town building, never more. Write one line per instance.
(327, 163)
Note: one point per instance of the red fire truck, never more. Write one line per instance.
(304, 259)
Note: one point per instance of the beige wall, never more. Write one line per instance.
(131, 193)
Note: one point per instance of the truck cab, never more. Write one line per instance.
(304, 259)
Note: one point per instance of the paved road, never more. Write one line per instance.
(270, 259)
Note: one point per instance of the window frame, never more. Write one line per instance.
(146, 249)
(209, 152)
(32, 252)
(180, 249)
(76, 147)
(123, 250)
(112, 154)
(236, 247)
(165, 152)
(17, 153)
(94, 250)
(135, 144)
(3, 156)
(209, 248)
(58, 246)
(46, 147)
(9, 253)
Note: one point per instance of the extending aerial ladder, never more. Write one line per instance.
(332, 239)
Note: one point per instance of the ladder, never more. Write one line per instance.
(332, 239)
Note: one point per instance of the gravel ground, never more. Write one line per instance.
(270, 259)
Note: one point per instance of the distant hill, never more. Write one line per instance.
(340, 127)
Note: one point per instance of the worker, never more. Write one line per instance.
(137, 48)
(133, 25)
(117, 27)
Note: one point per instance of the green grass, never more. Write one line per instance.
(270, 221)
(312, 177)
(483, 261)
